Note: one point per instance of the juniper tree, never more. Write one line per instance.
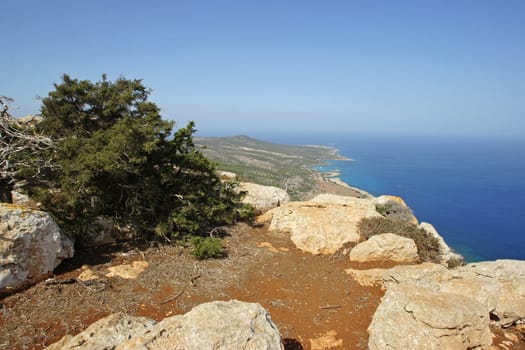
(116, 157)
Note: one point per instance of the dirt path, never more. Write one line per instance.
(311, 299)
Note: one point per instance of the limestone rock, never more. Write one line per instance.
(322, 225)
(499, 285)
(31, 246)
(126, 271)
(407, 212)
(106, 333)
(226, 175)
(424, 274)
(448, 256)
(415, 317)
(263, 198)
(104, 230)
(385, 247)
(215, 325)
(19, 198)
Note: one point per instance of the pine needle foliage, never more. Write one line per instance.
(116, 157)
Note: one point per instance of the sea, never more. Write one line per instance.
(472, 189)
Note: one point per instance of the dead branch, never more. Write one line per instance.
(173, 298)
(330, 307)
(17, 137)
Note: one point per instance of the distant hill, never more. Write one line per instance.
(266, 163)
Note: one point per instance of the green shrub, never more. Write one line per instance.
(206, 247)
(394, 210)
(427, 245)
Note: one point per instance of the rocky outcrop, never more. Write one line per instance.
(263, 198)
(385, 247)
(106, 333)
(447, 256)
(415, 317)
(398, 207)
(215, 325)
(31, 247)
(322, 225)
(497, 287)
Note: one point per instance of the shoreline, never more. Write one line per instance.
(329, 181)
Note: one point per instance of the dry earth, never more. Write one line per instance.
(311, 299)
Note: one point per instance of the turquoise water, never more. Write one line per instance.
(471, 189)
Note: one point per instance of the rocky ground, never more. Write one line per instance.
(313, 299)
(315, 304)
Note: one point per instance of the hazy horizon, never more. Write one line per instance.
(235, 67)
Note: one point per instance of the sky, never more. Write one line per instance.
(413, 67)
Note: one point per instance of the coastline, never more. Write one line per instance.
(329, 181)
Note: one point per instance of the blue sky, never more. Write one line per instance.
(425, 67)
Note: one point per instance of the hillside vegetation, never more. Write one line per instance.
(284, 166)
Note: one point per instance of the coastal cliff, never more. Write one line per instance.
(334, 270)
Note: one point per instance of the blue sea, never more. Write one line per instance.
(471, 189)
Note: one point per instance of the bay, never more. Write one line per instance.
(472, 189)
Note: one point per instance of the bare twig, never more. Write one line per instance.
(173, 298)
(330, 307)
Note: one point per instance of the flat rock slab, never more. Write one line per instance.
(322, 225)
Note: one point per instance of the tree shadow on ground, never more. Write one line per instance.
(99, 255)
(292, 344)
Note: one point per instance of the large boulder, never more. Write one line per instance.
(499, 285)
(385, 247)
(415, 317)
(106, 333)
(322, 225)
(447, 256)
(216, 325)
(263, 198)
(31, 246)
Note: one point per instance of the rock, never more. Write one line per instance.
(499, 285)
(128, 271)
(385, 247)
(19, 198)
(322, 225)
(215, 325)
(106, 333)
(31, 247)
(406, 213)
(226, 175)
(327, 341)
(422, 274)
(447, 256)
(263, 198)
(102, 231)
(415, 317)
(87, 274)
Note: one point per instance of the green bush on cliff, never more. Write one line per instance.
(394, 210)
(115, 156)
(427, 245)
